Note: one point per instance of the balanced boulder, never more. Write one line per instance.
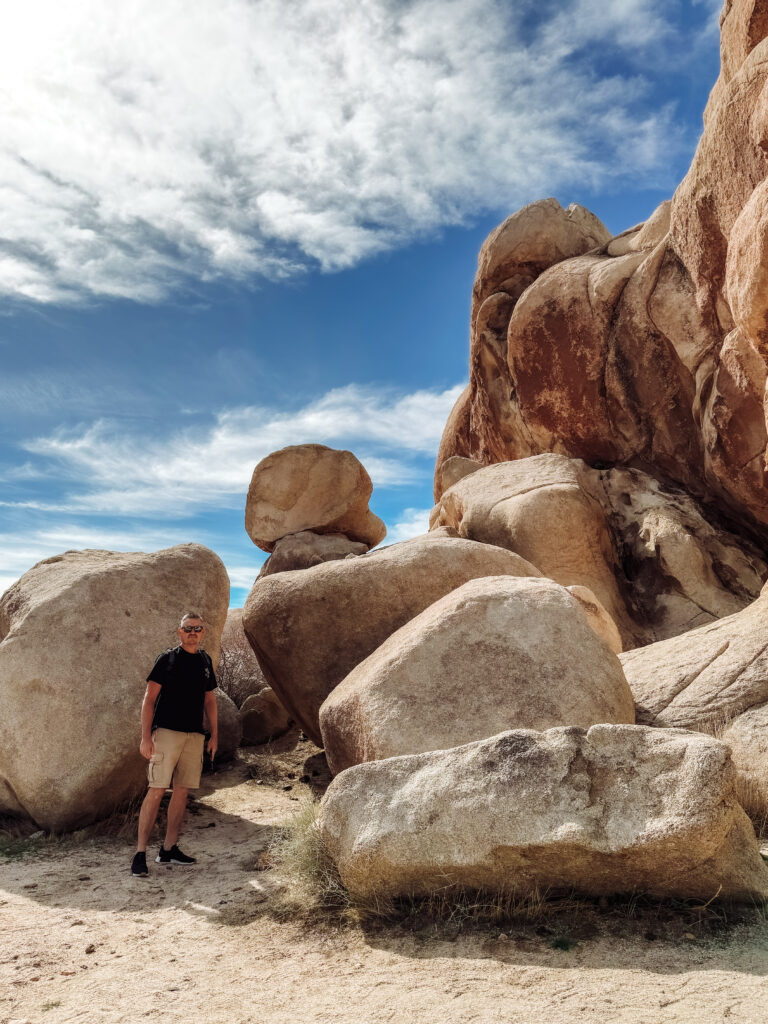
(616, 809)
(310, 487)
(497, 653)
(79, 633)
(309, 629)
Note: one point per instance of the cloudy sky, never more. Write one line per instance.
(231, 225)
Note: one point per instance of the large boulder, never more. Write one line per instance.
(650, 349)
(647, 551)
(616, 809)
(310, 487)
(309, 629)
(307, 548)
(497, 653)
(79, 633)
(263, 718)
(239, 673)
(706, 678)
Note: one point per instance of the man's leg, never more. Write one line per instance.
(176, 809)
(148, 816)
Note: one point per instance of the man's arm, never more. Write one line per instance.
(147, 747)
(212, 711)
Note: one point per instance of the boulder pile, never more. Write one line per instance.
(611, 446)
(308, 504)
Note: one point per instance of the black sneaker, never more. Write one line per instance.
(139, 864)
(173, 856)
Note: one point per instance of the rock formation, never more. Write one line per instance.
(310, 628)
(78, 634)
(310, 487)
(706, 678)
(497, 653)
(647, 552)
(648, 350)
(616, 809)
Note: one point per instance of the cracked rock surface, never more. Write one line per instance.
(616, 808)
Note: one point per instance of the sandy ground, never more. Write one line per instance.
(81, 940)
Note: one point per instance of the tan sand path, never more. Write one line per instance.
(194, 945)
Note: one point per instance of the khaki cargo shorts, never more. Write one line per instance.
(178, 755)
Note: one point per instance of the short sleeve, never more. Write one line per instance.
(159, 672)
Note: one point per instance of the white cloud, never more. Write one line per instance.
(112, 472)
(20, 550)
(148, 144)
(415, 522)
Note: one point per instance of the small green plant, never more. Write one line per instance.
(51, 1006)
(562, 942)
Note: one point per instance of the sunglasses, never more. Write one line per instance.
(192, 629)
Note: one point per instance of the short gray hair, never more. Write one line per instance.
(190, 615)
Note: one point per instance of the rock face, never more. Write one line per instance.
(305, 549)
(706, 678)
(309, 629)
(497, 653)
(647, 552)
(239, 673)
(649, 349)
(310, 487)
(79, 633)
(615, 809)
(263, 717)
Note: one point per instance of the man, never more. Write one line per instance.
(179, 688)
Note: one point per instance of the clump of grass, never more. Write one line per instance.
(312, 883)
(312, 890)
(51, 1005)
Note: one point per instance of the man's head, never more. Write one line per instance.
(191, 631)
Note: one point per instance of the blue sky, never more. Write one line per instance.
(225, 230)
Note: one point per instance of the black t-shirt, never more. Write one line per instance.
(185, 679)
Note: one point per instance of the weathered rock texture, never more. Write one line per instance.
(706, 678)
(650, 349)
(305, 549)
(78, 635)
(310, 487)
(497, 653)
(263, 717)
(647, 552)
(239, 673)
(309, 629)
(615, 809)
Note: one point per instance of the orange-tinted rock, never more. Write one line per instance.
(651, 349)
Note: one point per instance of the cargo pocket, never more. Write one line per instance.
(155, 766)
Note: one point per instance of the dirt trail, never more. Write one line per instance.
(81, 940)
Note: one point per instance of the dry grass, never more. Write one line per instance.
(311, 890)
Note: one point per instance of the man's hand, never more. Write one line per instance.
(147, 748)
(213, 746)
